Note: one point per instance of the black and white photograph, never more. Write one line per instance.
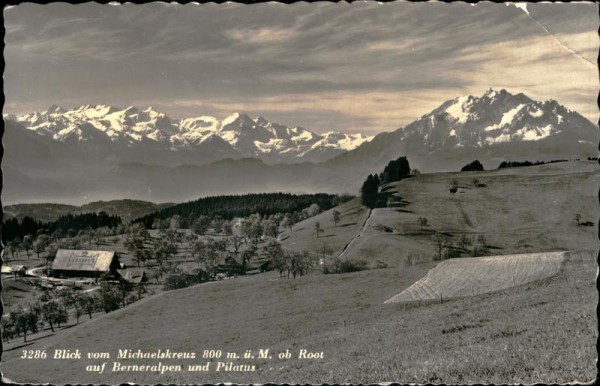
(301, 193)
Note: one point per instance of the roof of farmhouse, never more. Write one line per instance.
(83, 260)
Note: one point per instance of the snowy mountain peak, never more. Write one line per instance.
(55, 109)
(238, 121)
(492, 118)
(261, 121)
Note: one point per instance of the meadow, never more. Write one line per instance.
(518, 210)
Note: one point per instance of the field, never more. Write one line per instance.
(468, 276)
(519, 210)
(536, 325)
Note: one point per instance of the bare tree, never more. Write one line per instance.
(335, 217)
(441, 242)
(464, 242)
(277, 257)
(40, 244)
(318, 229)
(236, 243)
(27, 244)
(287, 222)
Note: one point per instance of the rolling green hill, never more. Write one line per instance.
(518, 210)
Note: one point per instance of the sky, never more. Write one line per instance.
(360, 67)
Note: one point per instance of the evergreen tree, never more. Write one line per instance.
(369, 191)
(475, 165)
(395, 170)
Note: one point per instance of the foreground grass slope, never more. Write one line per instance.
(539, 332)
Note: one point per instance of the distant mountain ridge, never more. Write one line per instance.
(157, 159)
(494, 126)
(126, 209)
(237, 136)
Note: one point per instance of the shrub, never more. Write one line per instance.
(481, 250)
(478, 183)
(451, 252)
(344, 266)
(383, 228)
(181, 280)
(353, 265)
(412, 259)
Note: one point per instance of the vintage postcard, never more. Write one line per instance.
(340, 193)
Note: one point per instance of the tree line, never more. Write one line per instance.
(53, 308)
(229, 207)
(516, 164)
(13, 229)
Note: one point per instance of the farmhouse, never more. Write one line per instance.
(133, 276)
(85, 263)
(231, 267)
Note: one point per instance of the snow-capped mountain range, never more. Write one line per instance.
(101, 152)
(237, 135)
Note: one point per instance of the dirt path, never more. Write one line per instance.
(347, 246)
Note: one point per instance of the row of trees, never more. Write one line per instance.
(253, 226)
(230, 207)
(53, 308)
(516, 164)
(288, 262)
(45, 245)
(71, 223)
(447, 249)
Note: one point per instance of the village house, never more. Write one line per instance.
(231, 267)
(85, 263)
(133, 276)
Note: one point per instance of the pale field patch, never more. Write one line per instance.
(469, 276)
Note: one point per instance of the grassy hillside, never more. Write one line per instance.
(539, 332)
(519, 210)
(334, 237)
